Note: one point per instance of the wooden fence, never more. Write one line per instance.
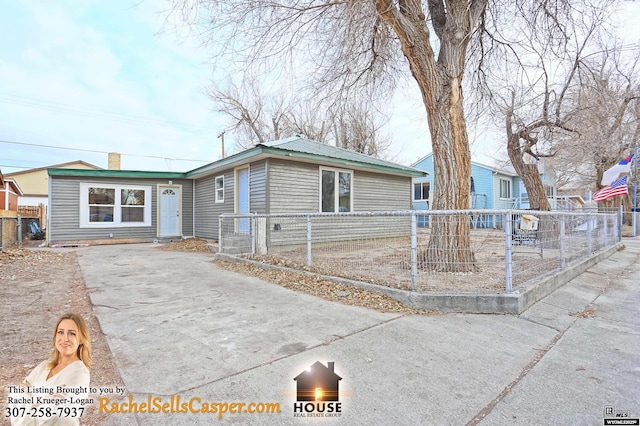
(36, 212)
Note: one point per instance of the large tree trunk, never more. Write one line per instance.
(450, 243)
(440, 83)
(528, 172)
(530, 176)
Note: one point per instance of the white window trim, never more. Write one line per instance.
(337, 188)
(510, 189)
(215, 185)
(414, 191)
(117, 213)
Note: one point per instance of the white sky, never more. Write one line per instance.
(94, 75)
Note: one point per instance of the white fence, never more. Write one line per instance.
(506, 248)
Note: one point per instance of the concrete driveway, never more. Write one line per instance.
(179, 326)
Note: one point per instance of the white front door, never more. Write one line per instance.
(242, 200)
(169, 224)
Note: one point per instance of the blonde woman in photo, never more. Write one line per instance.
(67, 367)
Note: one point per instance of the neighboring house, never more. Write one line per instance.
(293, 175)
(35, 182)
(9, 193)
(491, 188)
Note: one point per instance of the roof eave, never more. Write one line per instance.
(115, 173)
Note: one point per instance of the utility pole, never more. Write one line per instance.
(221, 136)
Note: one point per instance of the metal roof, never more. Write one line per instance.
(302, 149)
(306, 146)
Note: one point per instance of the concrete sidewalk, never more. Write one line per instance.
(178, 325)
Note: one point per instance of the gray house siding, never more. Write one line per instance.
(375, 192)
(64, 210)
(258, 187)
(293, 187)
(371, 192)
(206, 208)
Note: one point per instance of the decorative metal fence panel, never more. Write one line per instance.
(449, 251)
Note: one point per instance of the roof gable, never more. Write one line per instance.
(11, 183)
(473, 163)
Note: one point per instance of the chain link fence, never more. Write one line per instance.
(465, 251)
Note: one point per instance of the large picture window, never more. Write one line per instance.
(105, 205)
(336, 190)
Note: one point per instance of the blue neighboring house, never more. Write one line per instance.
(491, 189)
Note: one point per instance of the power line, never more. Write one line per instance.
(97, 151)
(95, 113)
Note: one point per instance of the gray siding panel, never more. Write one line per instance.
(64, 211)
(377, 192)
(258, 187)
(293, 187)
(207, 210)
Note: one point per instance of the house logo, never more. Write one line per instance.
(318, 392)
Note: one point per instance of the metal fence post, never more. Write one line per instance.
(19, 229)
(562, 244)
(414, 250)
(252, 234)
(507, 252)
(589, 239)
(308, 240)
(220, 233)
(620, 221)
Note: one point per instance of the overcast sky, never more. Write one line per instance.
(94, 76)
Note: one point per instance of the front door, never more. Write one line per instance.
(169, 224)
(242, 197)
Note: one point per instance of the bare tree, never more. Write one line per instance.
(608, 116)
(257, 117)
(358, 127)
(535, 86)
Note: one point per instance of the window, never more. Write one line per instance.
(105, 205)
(102, 203)
(220, 189)
(548, 190)
(335, 190)
(132, 205)
(421, 191)
(505, 188)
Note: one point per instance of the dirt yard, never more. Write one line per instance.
(38, 286)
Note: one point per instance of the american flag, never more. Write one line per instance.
(618, 187)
